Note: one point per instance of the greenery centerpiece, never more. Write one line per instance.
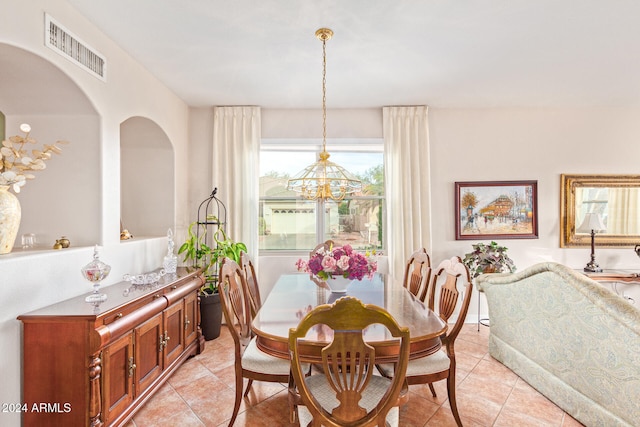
(491, 258)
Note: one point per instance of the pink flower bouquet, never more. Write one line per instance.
(341, 261)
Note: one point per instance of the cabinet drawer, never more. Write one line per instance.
(112, 316)
(176, 293)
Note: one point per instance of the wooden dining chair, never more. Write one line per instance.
(253, 290)
(417, 273)
(250, 361)
(442, 364)
(347, 393)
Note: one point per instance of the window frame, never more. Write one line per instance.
(334, 145)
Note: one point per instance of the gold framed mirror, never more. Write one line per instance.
(616, 198)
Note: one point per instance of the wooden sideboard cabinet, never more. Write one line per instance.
(618, 280)
(95, 365)
(620, 276)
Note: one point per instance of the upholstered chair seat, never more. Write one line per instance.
(326, 396)
(256, 360)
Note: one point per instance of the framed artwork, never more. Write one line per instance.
(496, 210)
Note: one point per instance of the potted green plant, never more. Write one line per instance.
(491, 258)
(202, 255)
(225, 248)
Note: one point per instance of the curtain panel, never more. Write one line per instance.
(624, 211)
(236, 154)
(407, 183)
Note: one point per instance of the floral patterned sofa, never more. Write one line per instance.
(571, 338)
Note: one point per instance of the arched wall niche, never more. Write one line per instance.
(65, 198)
(147, 181)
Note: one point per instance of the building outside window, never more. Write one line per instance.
(287, 222)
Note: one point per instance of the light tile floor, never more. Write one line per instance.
(201, 393)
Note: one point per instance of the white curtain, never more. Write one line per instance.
(236, 152)
(624, 211)
(407, 183)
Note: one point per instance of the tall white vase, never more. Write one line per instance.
(9, 219)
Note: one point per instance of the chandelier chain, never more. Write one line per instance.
(324, 93)
(324, 180)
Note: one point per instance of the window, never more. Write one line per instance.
(289, 222)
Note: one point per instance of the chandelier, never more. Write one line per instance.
(324, 179)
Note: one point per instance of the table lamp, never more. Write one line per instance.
(592, 224)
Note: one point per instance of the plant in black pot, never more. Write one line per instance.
(202, 255)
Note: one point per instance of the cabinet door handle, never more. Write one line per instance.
(156, 296)
(163, 341)
(186, 322)
(132, 366)
(119, 315)
(174, 287)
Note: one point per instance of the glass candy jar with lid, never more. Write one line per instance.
(95, 272)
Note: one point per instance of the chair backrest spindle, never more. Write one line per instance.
(417, 273)
(451, 273)
(253, 289)
(235, 304)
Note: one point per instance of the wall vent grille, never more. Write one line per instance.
(68, 45)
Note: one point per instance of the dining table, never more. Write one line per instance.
(296, 294)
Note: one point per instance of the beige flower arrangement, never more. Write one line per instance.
(16, 161)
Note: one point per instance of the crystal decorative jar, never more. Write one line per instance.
(170, 261)
(95, 272)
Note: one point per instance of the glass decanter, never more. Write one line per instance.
(95, 272)
(170, 262)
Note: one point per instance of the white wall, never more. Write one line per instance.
(32, 280)
(530, 144)
(50, 202)
(200, 159)
(341, 123)
(147, 177)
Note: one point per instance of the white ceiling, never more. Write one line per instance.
(443, 53)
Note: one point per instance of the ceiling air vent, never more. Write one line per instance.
(68, 45)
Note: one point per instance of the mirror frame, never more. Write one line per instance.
(568, 186)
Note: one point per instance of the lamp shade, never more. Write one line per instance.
(592, 221)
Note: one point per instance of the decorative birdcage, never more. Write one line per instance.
(212, 217)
